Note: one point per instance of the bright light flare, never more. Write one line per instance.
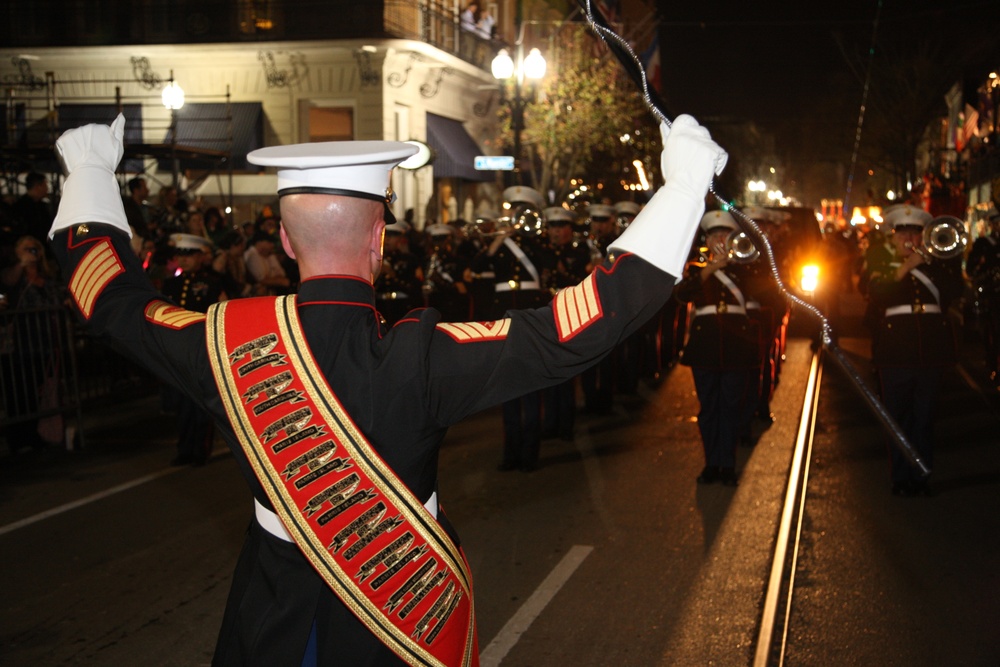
(810, 278)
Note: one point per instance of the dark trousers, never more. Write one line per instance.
(560, 410)
(598, 385)
(521, 430)
(910, 396)
(194, 428)
(721, 395)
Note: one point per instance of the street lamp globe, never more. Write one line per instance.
(173, 96)
(502, 65)
(534, 65)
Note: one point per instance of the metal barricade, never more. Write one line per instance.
(50, 370)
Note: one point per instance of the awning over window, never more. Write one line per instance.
(78, 115)
(208, 127)
(455, 151)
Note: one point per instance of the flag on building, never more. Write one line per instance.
(651, 63)
(609, 9)
(970, 126)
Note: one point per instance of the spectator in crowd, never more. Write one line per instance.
(32, 211)
(230, 265)
(31, 374)
(170, 214)
(264, 267)
(136, 211)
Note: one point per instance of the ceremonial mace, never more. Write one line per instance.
(633, 67)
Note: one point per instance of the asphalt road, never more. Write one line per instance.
(609, 554)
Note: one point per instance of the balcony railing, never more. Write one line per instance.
(437, 24)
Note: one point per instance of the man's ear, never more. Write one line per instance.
(285, 243)
(378, 239)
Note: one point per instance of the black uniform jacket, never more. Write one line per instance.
(724, 339)
(917, 337)
(402, 388)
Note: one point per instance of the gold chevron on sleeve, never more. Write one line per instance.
(164, 314)
(576, 308)
(469, 332)
(98, 268)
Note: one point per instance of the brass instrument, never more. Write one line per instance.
(943, 238)
(527, 220)
(740, 249)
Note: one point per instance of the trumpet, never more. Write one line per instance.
(945, 237)
(740, 249)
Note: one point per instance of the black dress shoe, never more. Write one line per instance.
(765, 417)
(181, 461)
(728, 476)
(709, 475)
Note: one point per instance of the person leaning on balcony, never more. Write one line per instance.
(335, 422)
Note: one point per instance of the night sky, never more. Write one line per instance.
(787, 65)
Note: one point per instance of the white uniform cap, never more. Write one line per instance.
(398, 227)
(439, 230)
(714, 219)
(628, 208)
(906, 215)
(349, 168)
(600, 211)
(558, 214)
(759, 213)
(521, 194)
(190, 242)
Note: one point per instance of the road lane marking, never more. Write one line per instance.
(533, 607)
(41, 516)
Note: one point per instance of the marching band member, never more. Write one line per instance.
(722, 349)
(913, 341)
(336, 422)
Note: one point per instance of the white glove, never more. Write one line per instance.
(89, 155)
(664, 229)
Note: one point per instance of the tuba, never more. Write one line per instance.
(740, 249)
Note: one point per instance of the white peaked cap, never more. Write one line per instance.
(439, 229)
(350, 168)
(524, 195)
(189, 242)
(600, 211)
(714, 219)
(558, 213)
(759, 213)
(628, 207)
(905, 215)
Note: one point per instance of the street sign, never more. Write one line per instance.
(495, 162)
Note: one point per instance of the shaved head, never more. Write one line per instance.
(333, 234)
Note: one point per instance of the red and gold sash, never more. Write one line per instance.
(370, 539)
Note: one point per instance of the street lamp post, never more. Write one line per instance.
(530, 67)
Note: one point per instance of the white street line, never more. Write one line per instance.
(533, 607)
(11, 527)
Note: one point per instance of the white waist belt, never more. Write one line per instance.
(525, 284)
(915, 308)
(712, 310)
(753, 305)
(270, 522)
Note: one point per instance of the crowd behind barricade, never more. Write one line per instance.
(727, 320)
